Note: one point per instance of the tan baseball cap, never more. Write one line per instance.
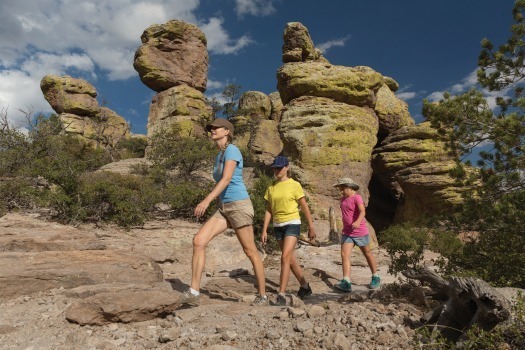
(220, 122)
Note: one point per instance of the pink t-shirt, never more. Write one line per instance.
(350, 213)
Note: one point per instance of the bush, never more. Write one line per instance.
(184, 196)
(105, 196)
(259, 206)
(133, 147)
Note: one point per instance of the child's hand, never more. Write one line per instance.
(311, 233)
(356, 224)
(264, 237)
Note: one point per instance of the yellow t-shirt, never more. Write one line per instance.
(283, 197)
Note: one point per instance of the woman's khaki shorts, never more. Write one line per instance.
(237, 214)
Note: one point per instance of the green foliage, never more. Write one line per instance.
(183, 197)
(186, 154)
(495, 207)
(259, 206)
(404, 244)
(133, 147)
(231, 94)
(105, 196)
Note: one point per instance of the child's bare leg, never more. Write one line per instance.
(287, 246)
(297, 271)
(369, 258)
(346, 250)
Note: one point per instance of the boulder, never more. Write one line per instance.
(172, 54)
(255, 104)
(391, 111)
(29, 273)
(277, 106)
(125, 306)
(69, 95)
(298, 46)
(351, 85)
(265, 142)
(413, 165)
(181, 107)
(327, 140)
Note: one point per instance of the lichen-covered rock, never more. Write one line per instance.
(182, 107)
(106, 129)
(328, 140)
(352, 85)
(255, 104)
(265, 142)
(171, 54)
(277, 106)
(70, 95)
(298, 46)
(391, 111)
(391, 83)
(413, 165)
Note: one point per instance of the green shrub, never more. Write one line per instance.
(184, 196)
(259, 206)
(404, 244)
(133, 147)
(105, 196)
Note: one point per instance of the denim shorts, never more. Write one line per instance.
(358, 241)
(237, 214)
(288, 230)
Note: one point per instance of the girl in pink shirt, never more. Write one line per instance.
(355, 232)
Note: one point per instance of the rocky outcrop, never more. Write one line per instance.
(413, 166)
(277, 106)
(265, 142)
(75, 102)
(172, 54)
(69, 95)
(328, 140)
(392, 112)
(351, 85)
(255, 104)
(181, 107)
(298, 46)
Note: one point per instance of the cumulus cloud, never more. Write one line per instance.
(214, 85)
(254, 7)
(92, 40)
(324, 47)
(219, 41)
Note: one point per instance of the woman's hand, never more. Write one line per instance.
(201, 208)
(264, 237)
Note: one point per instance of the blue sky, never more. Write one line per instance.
(427, 46)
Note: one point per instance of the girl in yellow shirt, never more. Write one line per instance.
(283, 200)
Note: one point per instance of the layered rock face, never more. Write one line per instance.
(413, 166)
(173, 61)
(75, 102)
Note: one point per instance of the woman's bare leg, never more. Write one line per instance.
(211, 228)
(246, 238)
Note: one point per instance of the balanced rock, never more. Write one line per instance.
(181, 107)
(70, 95)
(255, 104)
(298, 46)
(265, 142)
(351, 85)
(172, 54)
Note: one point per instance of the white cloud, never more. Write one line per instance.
(214, 85)
(324, 47)
(254, 7)
(219, 41)
(435, 96)
(406, 95)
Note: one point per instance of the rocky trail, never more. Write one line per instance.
(88, 287)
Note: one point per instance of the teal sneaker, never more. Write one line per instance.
(375, 282)
(344, 285)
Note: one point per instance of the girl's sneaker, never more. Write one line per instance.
(304, 292)
(344, 285)
(375, 282)
(260, 301)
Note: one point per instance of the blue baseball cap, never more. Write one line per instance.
(280, 162)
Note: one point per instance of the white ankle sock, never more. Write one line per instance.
(194, 292)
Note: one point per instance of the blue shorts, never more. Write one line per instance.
(358, 241)
(288, 230)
